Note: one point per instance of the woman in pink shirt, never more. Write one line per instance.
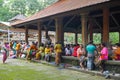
(103, 56)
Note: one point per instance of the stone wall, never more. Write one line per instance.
(112, 66)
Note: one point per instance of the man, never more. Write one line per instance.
(90, 48)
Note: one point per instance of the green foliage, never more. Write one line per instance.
(114, 37)
(11, 8)
(69, 38)
(4, 12)
(97, 38)
(79, 38)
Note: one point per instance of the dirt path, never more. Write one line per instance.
(39, 71)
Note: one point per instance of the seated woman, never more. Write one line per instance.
(40, 52)
(81, 55)
(75, 50)
(31, 52)
(116, 52)
(47, 53)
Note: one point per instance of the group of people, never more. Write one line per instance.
(90, 53)
(93, 55)
(16, 49)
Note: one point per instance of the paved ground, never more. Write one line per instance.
(43, 72)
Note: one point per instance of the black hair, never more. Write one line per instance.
(103, 44)
(118, 44)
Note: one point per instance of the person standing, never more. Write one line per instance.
(103, 56)
(4, 51)
(58, 52)
(90, 48)
(18, 49)
(14, 47)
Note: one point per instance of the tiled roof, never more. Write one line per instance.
(18, 17)
(60, 7)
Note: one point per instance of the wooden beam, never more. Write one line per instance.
(90, 27)
(76, 38)
(69, 21)
(26, 34)
(115, 20)
(99, 15)
(84, 17)
(39, 33)
(106, 25)
(119, 36)
(49, 22)
(59, 30)
(97, 23)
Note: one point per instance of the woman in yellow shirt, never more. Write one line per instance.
(40, 53)
(58, 51)
(47, 53)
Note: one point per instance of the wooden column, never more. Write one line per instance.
(119, 36)
(26, 34)
(76, 38)
(84, 18)
(59, 30)
(106, 25)
(39, 33)
(91, 29)
(46, 32)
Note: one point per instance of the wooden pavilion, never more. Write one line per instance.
(76, 16)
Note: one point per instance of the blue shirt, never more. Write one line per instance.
(90, 48)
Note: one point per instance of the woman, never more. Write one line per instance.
(103, 56)
(32, 51)
(18, 49)
(40, 53)
(116, 52)
(47, 53)
(75, 50)
(81, 55)
(58, 52)
(4, 51)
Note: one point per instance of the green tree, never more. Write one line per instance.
(11, 8)
(4, 12)
(114, 37)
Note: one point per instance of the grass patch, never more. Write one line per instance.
(21, 70)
